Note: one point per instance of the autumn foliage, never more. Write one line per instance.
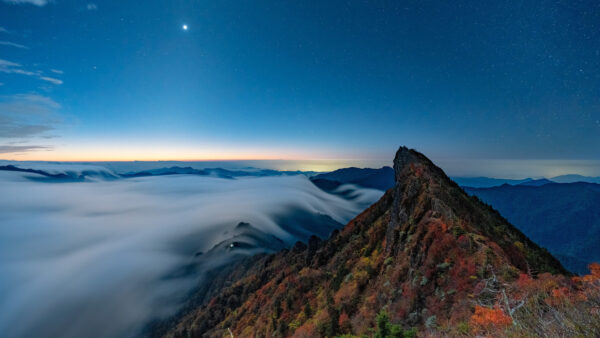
(426, 256)
(486, 318)
(549, 305)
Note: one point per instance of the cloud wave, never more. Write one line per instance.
(77, 256)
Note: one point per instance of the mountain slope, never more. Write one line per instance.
(565, 217)
(421, 252)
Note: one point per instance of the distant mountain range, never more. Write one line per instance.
(487, 182)
(482, 182)
(215, 172)
(383, 179)
(563, 217)
(67, 174)
(75, 173)
(575, 178)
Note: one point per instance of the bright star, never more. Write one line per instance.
(185, 27)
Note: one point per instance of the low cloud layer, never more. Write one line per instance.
(89, 259)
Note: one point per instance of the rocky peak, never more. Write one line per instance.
(428, 203)
(405, 158)
(421, 252)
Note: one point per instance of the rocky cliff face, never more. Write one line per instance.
(421, 253)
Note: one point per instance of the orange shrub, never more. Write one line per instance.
(595, 270)
(485, 319)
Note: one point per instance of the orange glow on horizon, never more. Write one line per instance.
(141, 156)
(121, 154)
(290, 159)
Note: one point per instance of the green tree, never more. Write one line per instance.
(385, 329)
(383, 325)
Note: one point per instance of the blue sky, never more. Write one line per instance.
(472, 80)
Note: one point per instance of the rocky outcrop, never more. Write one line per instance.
(420, 253)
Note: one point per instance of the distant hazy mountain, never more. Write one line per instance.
(69, 172)
(215, 172)
(486, 182)
(536, 183)
(167, 171)
(575, 178)
(565, 218)
(381, 179)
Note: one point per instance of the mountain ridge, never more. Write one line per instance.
(419, 252)
(382, 178)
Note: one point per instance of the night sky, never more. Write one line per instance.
(458, 80)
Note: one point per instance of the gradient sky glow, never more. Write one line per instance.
(472, 80)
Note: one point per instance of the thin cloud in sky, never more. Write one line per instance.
(10, 67)
(91, 7)
(51, 80)
(12, 44)
(38, 99)
(6, 149)
(26, 117)
(7, 64)
(32, 2)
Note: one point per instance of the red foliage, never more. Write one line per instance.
(560, 292)
(461, 273)
(344, 322)
(524, 281)
(595, 270)
(485, 319)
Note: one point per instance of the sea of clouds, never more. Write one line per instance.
(90, 259)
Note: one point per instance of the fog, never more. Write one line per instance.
(91, 259)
